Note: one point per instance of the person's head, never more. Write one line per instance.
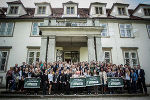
(118, 70)
(109, 70)
(138, 67)
(62, 72)
(127, 70)
(102, 69)
(16, 65)
(23, 63)
(45, 71)
(11, 68)
(132, 70)
(36, 70)
(26, 70)
(95, 72)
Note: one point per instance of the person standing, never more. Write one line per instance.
(103, 79)
(141, 79)
(50, 79)
(68, 75)
(133, 80)
(44, 81)
(62, 82)
(127, 79)
(55, 82)
(8, 77)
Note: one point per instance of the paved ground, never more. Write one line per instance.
(92, 97)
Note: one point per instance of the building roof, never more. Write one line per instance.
(82, 12)
(15, 2)
(146, 5)
(70, 2)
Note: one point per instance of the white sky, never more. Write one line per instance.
(82, 3)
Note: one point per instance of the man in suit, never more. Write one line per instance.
(141, 79)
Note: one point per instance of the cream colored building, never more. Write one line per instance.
(118, 35)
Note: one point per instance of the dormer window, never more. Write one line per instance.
(70, 10)
(121, 11)
(13, 10)
(147, 11)
(98, 10)
(41, 9)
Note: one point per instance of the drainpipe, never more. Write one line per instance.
(95, 48)
(46, 50)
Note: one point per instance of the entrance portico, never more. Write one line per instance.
(70, 40)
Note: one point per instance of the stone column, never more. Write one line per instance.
(99, 51)
(51, 49)
(43, 49)
(91, 49)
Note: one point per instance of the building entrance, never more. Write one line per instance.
(71, 56)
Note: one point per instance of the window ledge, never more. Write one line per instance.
(5, 36)
(128, 37)
(2, 71)
(35, 36)
(105, 36)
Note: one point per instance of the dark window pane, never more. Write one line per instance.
(96, 10)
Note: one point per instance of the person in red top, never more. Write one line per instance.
(8, 76)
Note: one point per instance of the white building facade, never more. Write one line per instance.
(118, 35)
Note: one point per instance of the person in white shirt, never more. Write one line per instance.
(50, 79)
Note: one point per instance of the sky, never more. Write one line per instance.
(82, 3)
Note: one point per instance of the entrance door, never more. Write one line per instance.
(71, 56)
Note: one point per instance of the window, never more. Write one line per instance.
(148, 30)
(126, 30)
(42, 10)
(98, 10)
(33, 56)
(121, 11)
(70, 10)
(35, 28)
(6, 29)
(107, 56)
(13, 10)
(130, 57)
(147, 11)
(104, 32)
(3, 59)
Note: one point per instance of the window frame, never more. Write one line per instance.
(146, 11)
(121, 11)
(130, 56)
(35, 55)
(125, 30)
(107, 49)
(107, 30)
(13, 10)
(70, 10)
(6, 28)
(39, 24)
(42, 9)
(100, 10)
(148, 29)
(6, 62)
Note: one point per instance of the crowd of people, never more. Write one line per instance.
(55, 77)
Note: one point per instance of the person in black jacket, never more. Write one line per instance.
(62, 82)
(44, 82)
(55, 82)
(68, 75)
(141, 79)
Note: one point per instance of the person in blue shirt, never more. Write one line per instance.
(134, 79)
